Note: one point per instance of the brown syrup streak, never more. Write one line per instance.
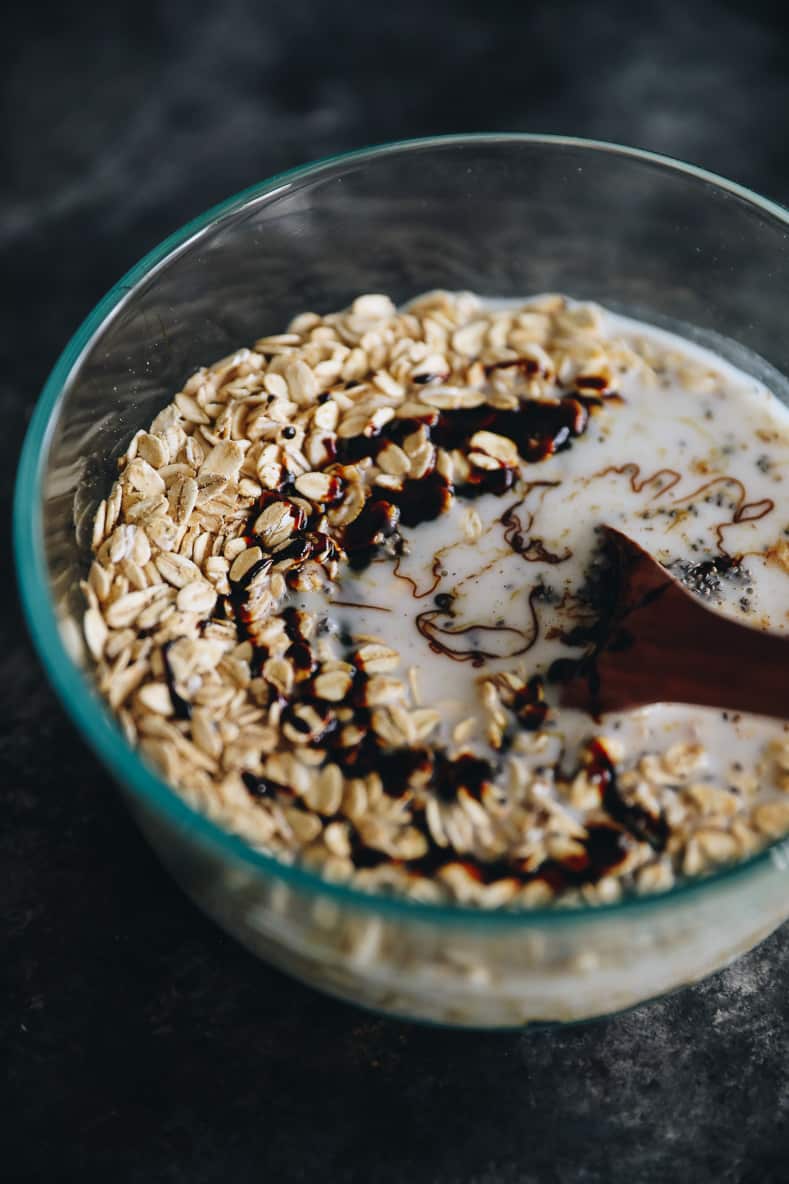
(633, 471)
(182, 708)
(376, 608)
(437, 564)
(536, 552)
(433, 634)
(744, 511)
(533, 550)
(633, 818)
(528, 366)
(425, 623)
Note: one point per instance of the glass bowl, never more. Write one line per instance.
(504, 215)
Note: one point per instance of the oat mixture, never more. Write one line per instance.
(332, 575)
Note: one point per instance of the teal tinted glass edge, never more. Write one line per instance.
(80, 700)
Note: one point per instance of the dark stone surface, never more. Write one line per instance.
(140, 1044)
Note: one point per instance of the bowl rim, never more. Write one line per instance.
(79, 697)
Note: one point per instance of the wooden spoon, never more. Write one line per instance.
(659, 643)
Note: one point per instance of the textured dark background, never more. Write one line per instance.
(137, 1043)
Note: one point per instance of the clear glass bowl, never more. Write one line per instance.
(505, 215)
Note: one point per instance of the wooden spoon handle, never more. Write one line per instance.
(689, 654)
(668, 647)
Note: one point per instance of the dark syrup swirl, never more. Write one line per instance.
(539, 428)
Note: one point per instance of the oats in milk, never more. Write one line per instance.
(331, 577)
